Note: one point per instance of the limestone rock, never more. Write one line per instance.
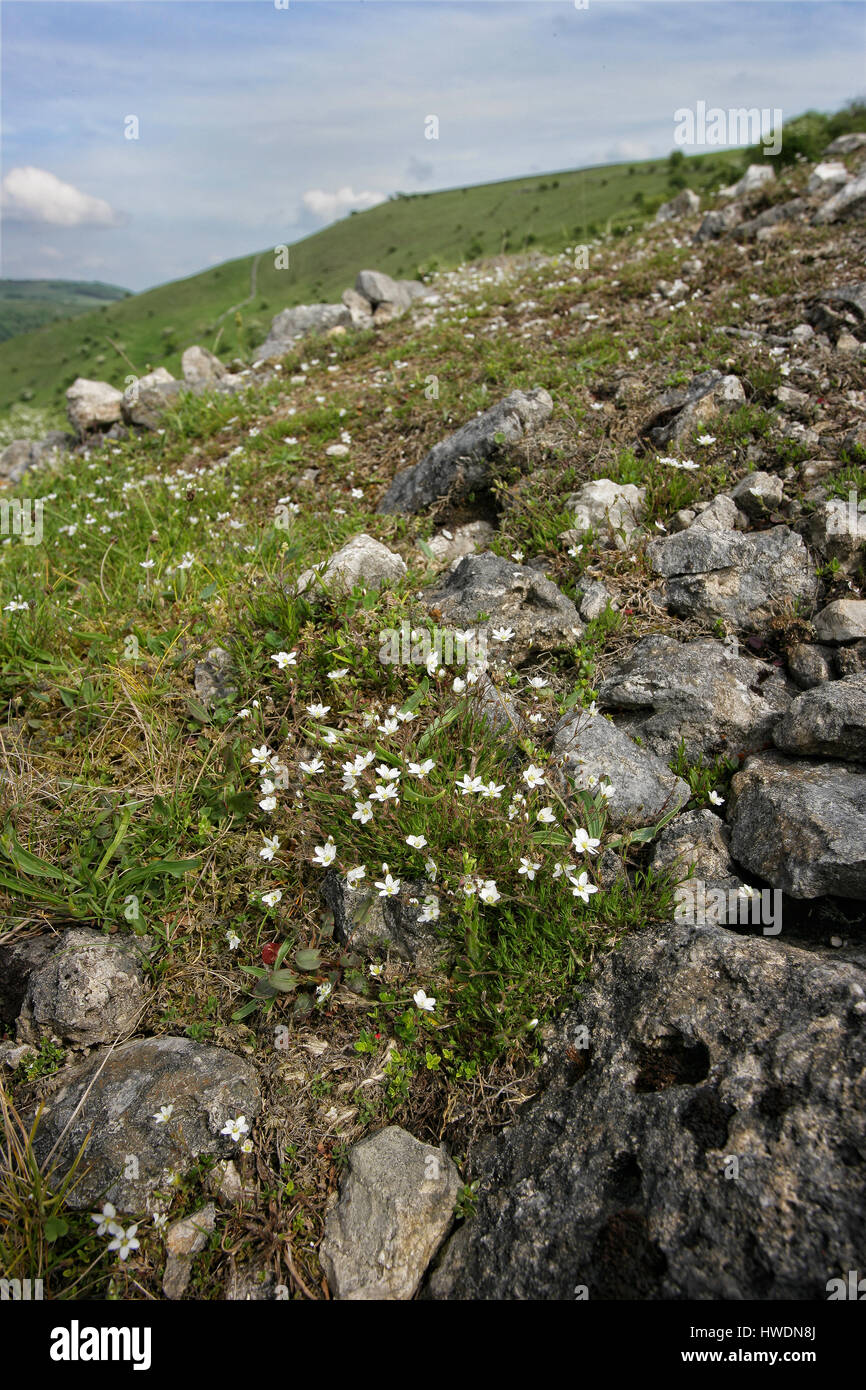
(645, 789)
(844, 620)
(395, 1208)
(465, 461)
(704, 1047)
(89, 990)
(827, 722)
(205, 1086)
(362, 560)
(292, 324)
(92, 405)
(801, 826)
(699, 693)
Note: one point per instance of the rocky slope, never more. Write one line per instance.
(660, 562)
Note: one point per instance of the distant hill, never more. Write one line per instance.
(228, 308)
(29, 304)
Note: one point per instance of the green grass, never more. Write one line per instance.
(26, 305)
(405, 236)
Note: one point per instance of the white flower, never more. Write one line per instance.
(538, 683)
(584, 843)
(323, 991)
(421, 769)
(489, 893)
(424, 1001)
(124, 1241)
(416, 841)
(268, 803)
(574, 551)
(533, 776)
(458, 685)
(284, 659)
(323, 855)
(318, 711)
(271, 899)
(313, 768)
(467, 784)
(492, 791)
(431, 869)
(388, 726)
(607, 789)
(375, 970)
(581, 887)
(260, 756)
(233, 939)
(146, 564)
(271, 845)
(528, 867)
(247, 1146)
(430, 910)
(546, 816)
(163, 1115)
(387, 774)
(105, 1222)
(338, 674)
(363, 811)
(160, 1220)
(354, 876)
(716, 799)
(388, 886)
(502, 634)
(236, 1128)
(706, 439)
(384, 792)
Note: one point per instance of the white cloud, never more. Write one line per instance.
(28, 194)
(327, 206)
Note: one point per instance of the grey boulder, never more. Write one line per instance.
(465, 461)
(292, 324)
(395, 1208)
(801, 826)
(700, 1136)
(90, 990)
(114, 1097)
(827, 722)
(695, 692)
(362, 560)
(92, 405)
(644, 788)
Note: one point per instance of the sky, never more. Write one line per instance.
(259, 121)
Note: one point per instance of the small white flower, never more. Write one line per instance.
(318, 711)
(388, 774)
(260, 756)
(270, 847)
(546, 816)
(363, 811)
(124, 1241)
(458, 685)
(430, 910)
(502, 634)
(233, 939)
(538, 683)
(236, 1129)
(581, 887)
(424, 1001)
(489, 893)
(375, 970)
(533, 776)
(105, 1222)
(492, 791)
(271, 899)
(268, 803)
(388, 886)
(354, 876)
(338, 674)
(163, 1115)
(416, 841)
(323, 991)
(323, 855)
(431, 869)
(312, 769)
(528, 867)
(467, 785)
(584, 843)
(607, 789)
(284, 659)
(716, 799)
(247, 1146)
(421, 769)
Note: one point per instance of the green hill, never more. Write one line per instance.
(404, 236)
(29, 304)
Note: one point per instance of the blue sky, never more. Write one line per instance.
(258, 125)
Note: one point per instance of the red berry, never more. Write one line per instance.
(270, 952)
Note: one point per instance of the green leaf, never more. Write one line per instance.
(284, 981)
(208, 591)
(309, 959)
(198, 711)
(55, 1227)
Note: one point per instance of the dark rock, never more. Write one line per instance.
(644, 788)
(828, 722)
(465, 461)
(707, 1143)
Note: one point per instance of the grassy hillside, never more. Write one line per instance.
(403, 237)
(26, 305)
